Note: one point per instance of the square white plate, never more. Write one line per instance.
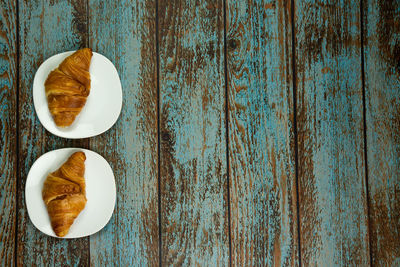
(103, 104)
(100, 192)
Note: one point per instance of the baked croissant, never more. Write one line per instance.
(64, 193)
(68, 86)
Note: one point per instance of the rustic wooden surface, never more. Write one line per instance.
(252, 133)
(193, 174)
(382, 94)
(8, 138)
(332, 188)
(261, 134)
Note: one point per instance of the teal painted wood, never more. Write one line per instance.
(8, 129)
(332, 189)
(194, 209)
(124, 31)
(261, 134)
(45, 29)
(382, 91)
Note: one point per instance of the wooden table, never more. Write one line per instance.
(252, 133)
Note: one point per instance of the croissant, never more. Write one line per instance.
(64, 193)
(68, 86)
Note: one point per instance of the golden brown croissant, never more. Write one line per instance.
(64, 193)
(68, 86)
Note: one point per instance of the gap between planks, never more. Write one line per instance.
(227, 136)
(365, 128)
(18, 173)
(296, 148)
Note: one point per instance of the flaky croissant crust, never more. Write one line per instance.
(64, 193)
(68, 86)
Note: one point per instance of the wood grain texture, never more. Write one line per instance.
(382, 91)
(332, 190)
(46, 28)
(261, 135)
(8, 129)
(124, 31)
(192, 126)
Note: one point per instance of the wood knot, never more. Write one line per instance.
(233, 44)
(81, 27)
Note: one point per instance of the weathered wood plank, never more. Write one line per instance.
(124, 31)
(194, 207)
(261, 134)
(45, 29)
(8, 129)
(382, 91)
(332, 190)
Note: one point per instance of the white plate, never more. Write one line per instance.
(103, 104)
(100, 192)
